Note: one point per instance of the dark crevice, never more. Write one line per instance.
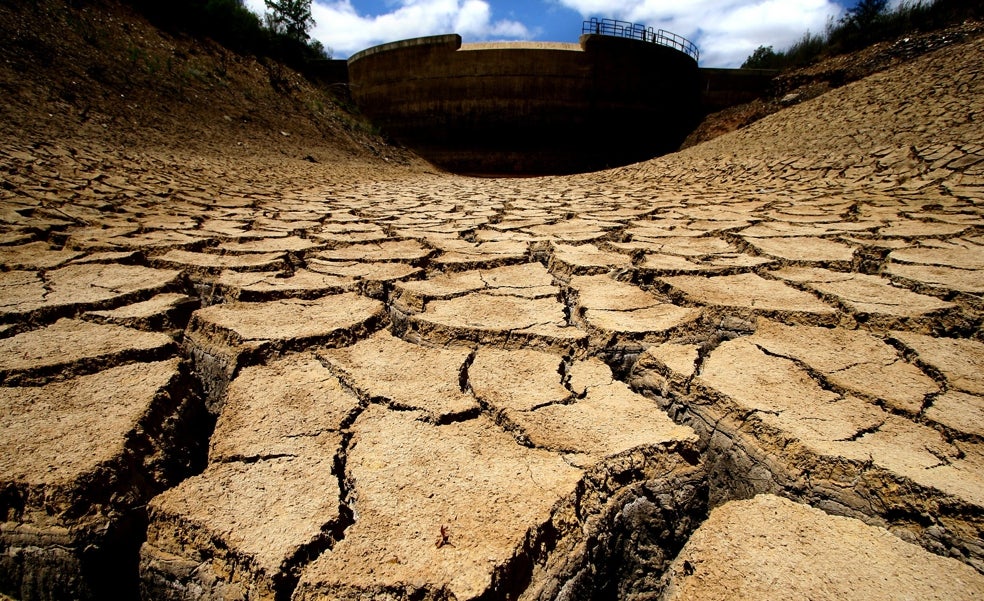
(911, 356)
(247, 459)
(928, 402)
(569, 400)
(331, 533)
(500, 419)
(647, 534)
(564, 368)
(862, 432)
(463, 384)
(456, 417)
(713, 340)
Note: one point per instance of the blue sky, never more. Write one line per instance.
(726, 31)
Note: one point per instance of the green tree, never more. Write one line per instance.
(290, 17)
(764, 57)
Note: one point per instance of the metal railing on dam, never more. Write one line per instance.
(636, 31)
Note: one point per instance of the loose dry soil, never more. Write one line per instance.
(248, 350)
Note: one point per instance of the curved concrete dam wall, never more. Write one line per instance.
(527, 107)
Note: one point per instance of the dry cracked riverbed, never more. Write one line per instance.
(753, 369)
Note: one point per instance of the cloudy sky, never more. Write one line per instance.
(726, 31)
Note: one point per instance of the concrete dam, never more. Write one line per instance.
(624, 93)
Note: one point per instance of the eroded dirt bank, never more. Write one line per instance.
(238, 372)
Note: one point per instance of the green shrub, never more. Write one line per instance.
(764, 57)
(805, 50)
(802, 52)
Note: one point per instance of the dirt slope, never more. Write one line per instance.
(96, 73)
(798, 85)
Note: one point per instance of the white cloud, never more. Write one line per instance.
(726, 31)
(341, 27)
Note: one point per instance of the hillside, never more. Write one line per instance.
(96, 73)
(800, 84)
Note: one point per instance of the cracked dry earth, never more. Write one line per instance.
(753, 369)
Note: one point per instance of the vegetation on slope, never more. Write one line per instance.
(867, 23)
(282, 35)
(820, 63)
